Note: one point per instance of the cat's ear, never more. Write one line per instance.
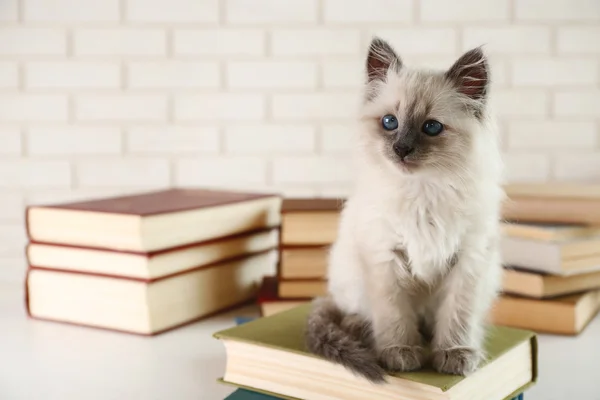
(381, 57)
(470, 74)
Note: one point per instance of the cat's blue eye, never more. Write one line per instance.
(389, 122)
(432, 127)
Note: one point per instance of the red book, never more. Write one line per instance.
(153, 221)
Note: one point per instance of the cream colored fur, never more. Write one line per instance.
(422, 244)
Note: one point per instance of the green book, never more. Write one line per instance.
(244, 394)
(268, 355)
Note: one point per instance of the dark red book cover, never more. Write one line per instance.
(160, 202)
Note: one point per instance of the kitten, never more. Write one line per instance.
(416, 258)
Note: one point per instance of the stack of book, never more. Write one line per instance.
(551, 254)
(308, 229)
(267, 359)
(149, 262)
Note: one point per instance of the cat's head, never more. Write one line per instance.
(421, 120)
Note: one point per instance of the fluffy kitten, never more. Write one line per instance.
(416, 258)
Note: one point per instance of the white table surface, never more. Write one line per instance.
(47, 361)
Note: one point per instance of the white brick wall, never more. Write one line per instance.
(105, 97)
(70, 11)
(72, 75)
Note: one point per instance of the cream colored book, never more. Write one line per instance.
(145, 307)
(153, 221)
(308, 222)
(149, 265)
(269, 355)
(304, 262)
(549, 232)
(537, 285)
(564, 257)
(566, 315)
(302, 288)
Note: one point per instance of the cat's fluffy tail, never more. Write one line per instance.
(342, 339)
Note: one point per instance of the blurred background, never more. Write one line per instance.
(118, 96)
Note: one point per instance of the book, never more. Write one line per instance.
(309, 222)
(150, 265)
(268, 300)
(145, 306)
(548, 231)
(268, 355)
(556, 202)
(305, 288)
(561, 257)
(555, 190)
(565, 315)
(244, 394)
(304, 262)
(539, 285)
(153, 221)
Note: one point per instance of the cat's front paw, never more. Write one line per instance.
(456, 361)
(402, 358)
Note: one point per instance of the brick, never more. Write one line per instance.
(519, 102)
(524, 167)
(70, 75)
(557, 10)
(172, 10)
(32, 173)
(32, 41)
(33, 107)
(431, 41)
(575, 103)
(509, 40)
(554, 72)
(312, 169)
(12, 206)
(125, 107)
(578, 40)
(13, 238)
(219, 42)
(173, 140)
(343, 74)
(271, 11)
(465, 10)
(218, 171)
(10, 141)
(577, 166)
(318, 42)
(71, 11)
(70, 140)
(271, 74)
(123, 172)
(173, 74)
(9, 75)
(9, 11)
(428, 61)
(377, 11)
(319, 106)
(221, 106)
(337, 138)
(120, 42)
(269, 139)
(552, 134)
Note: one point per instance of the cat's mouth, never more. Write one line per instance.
(407, 165)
